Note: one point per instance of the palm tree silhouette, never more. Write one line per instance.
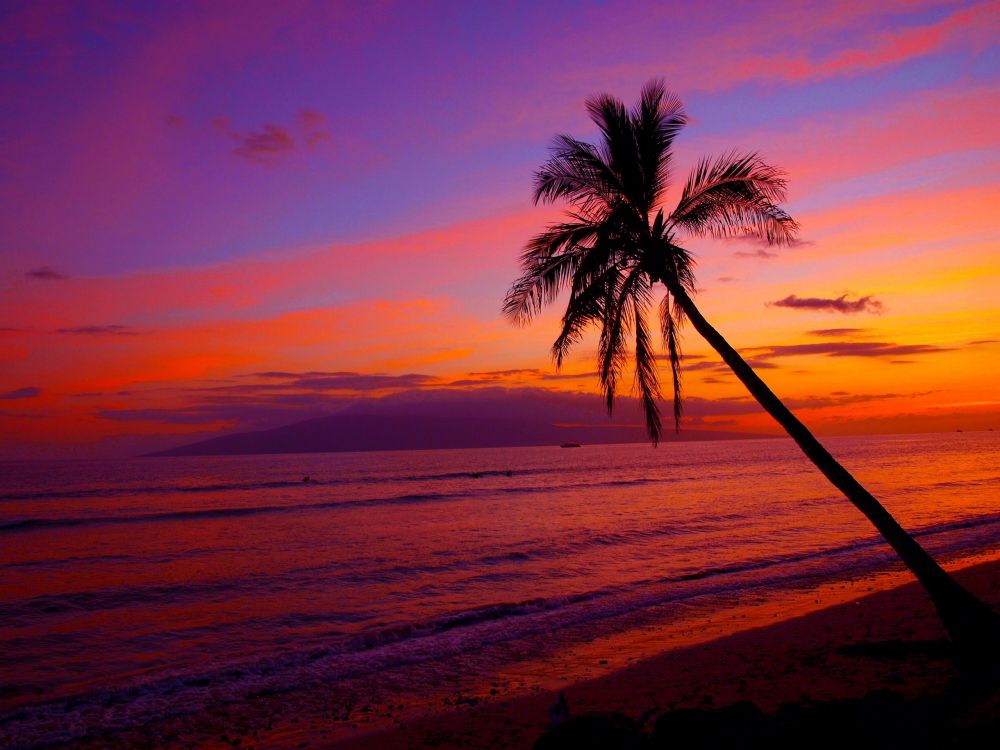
(617, 243)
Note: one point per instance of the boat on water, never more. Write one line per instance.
(570, 444)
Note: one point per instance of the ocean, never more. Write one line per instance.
(150, 587)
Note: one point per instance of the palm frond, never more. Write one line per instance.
(735, 195)
(577, 172)
(645, 374)
(656, 120)
(618, 148)
(629, 299)
(612, 351)
(670, 321)
(679, 265)
(538, 286)
(585, 307)
(548, 262)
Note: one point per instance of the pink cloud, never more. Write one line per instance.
(285, 276)
(271, 144)
(266, 146)
(973, 27)
(977, 27)
(819, 151)
(839, 304)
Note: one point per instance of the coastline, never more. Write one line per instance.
(792, 659)
(797, 660)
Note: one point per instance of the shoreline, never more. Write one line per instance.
(800, 660)
(792, 660)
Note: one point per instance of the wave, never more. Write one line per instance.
(948, 485)
(34, 524)
(21, 612)
(139, 490)
(313, 482)
(160, 489)
(41, 523)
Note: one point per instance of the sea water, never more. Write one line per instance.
(149, 587)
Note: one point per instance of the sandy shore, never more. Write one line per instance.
(800, 660)
(793, 659)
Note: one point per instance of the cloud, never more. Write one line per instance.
(250, 406)
(698, 366)
(566, 375)
(890, 46)
(272, 144)
(168, 416)
(719, 366)
(245, 416)
(761, 253)
(29, 392)
(174, 121)
(282, 398)
(850, 349)
(110, 330)
(843, 398)
(685, 356)
(355, 381)
(517, 375)
(761, 248)
(505, 373)
(321, 382)
(837, 332)
(839, 304)
(313, 126)
(265, 146)
(311, 120)
(46, 273)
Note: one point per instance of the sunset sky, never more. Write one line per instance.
(227, 216)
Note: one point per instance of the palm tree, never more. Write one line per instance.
(616, 244)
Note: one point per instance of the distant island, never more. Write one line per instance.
(493, 419)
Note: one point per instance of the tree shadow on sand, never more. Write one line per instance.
(882, 719)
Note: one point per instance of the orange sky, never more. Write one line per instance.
(177, 222)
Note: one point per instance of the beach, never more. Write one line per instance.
(801, 660)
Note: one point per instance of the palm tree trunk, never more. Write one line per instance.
(973, 626)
